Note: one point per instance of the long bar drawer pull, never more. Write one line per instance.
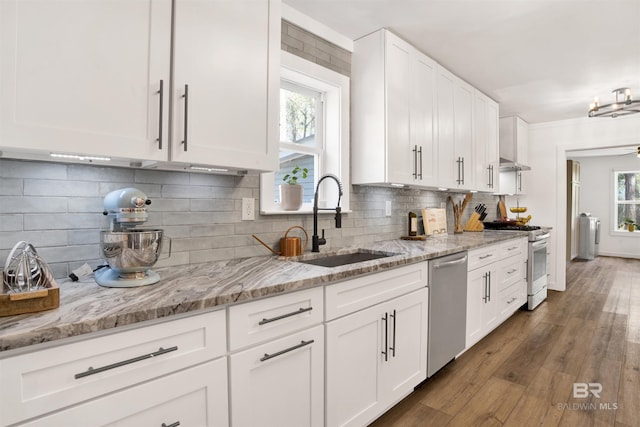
(286, 350)
(284, 316)
(512, 271)
(92, 371)
(512, 300)
(176, 424)
(486, 256)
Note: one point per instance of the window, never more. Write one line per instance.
(314, 133)
(301, 140)
(626, 200)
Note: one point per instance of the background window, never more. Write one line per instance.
(627, 200)
(301, 137)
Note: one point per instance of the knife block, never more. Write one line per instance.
(474, 223)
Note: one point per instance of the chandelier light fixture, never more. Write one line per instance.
(621, 107)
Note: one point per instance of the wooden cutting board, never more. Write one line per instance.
(503, 210)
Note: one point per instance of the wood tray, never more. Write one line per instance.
(30, 302)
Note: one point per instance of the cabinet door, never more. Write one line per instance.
(447, 166)
(492, 147)
(280, 383)
(423, 116)
(194, 397)
(476, 295)
(84, 77)
(463, 131)
(354, 346)
(485, 148)
(226, 82)
(401, 157)
(482, 302)
(406, 365)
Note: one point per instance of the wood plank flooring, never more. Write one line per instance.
(523, 373)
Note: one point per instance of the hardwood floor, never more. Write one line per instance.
(523, 373)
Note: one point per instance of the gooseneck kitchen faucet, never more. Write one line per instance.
(315, 240)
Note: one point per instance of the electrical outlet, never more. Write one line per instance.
(248, 209)
(387, 208)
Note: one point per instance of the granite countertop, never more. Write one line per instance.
(86, 307)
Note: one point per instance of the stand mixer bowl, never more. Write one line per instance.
(131, 253)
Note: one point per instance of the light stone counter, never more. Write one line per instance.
(86, 307)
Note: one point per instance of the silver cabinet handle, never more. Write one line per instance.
(484, 284)
(386, 337)
(92, 371)
(176, 424)
(489, 282)
(459, 162)
(490, 182)
(512, 271)
(161, 93)
(186, 115)
(415, 162)
(512, 300)
(420, 153)
(486, 256)
(393, 342)
(268, 356)
(283, 316)
(462, 170)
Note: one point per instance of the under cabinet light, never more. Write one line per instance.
(78, 157)
(199, 168)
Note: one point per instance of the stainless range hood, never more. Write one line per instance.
(510, 166)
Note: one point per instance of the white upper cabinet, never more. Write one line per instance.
(394, 113)
(95, 78)
(455, 131)
(226, 82)
(84, 77)
(485, 148)
(514, 140)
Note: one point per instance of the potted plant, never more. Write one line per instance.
(291, 193)
(631, 226)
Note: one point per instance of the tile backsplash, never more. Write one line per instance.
(58, 208)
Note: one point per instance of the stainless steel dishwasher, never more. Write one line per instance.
(447, 309)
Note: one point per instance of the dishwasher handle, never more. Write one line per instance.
(450, 263)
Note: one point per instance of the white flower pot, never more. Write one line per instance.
(290, 197)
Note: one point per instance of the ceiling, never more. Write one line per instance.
(543, 60)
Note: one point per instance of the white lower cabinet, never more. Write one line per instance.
(482, 303)
(58, 378)
(375, 357)
(279, 383)
(496, 286)
(194, 397)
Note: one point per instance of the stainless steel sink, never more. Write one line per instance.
(337, 260)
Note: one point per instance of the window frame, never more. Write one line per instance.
(614, 209)
(334, 88)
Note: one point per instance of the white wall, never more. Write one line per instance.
(596, 195)
(546, 184)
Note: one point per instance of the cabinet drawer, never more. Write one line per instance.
(53, 378)
(352, 295)
(510, 271)
(483, 256)
(279, 383)
(194, 397)
(268, 318)
(513, 247)
(512, 299)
